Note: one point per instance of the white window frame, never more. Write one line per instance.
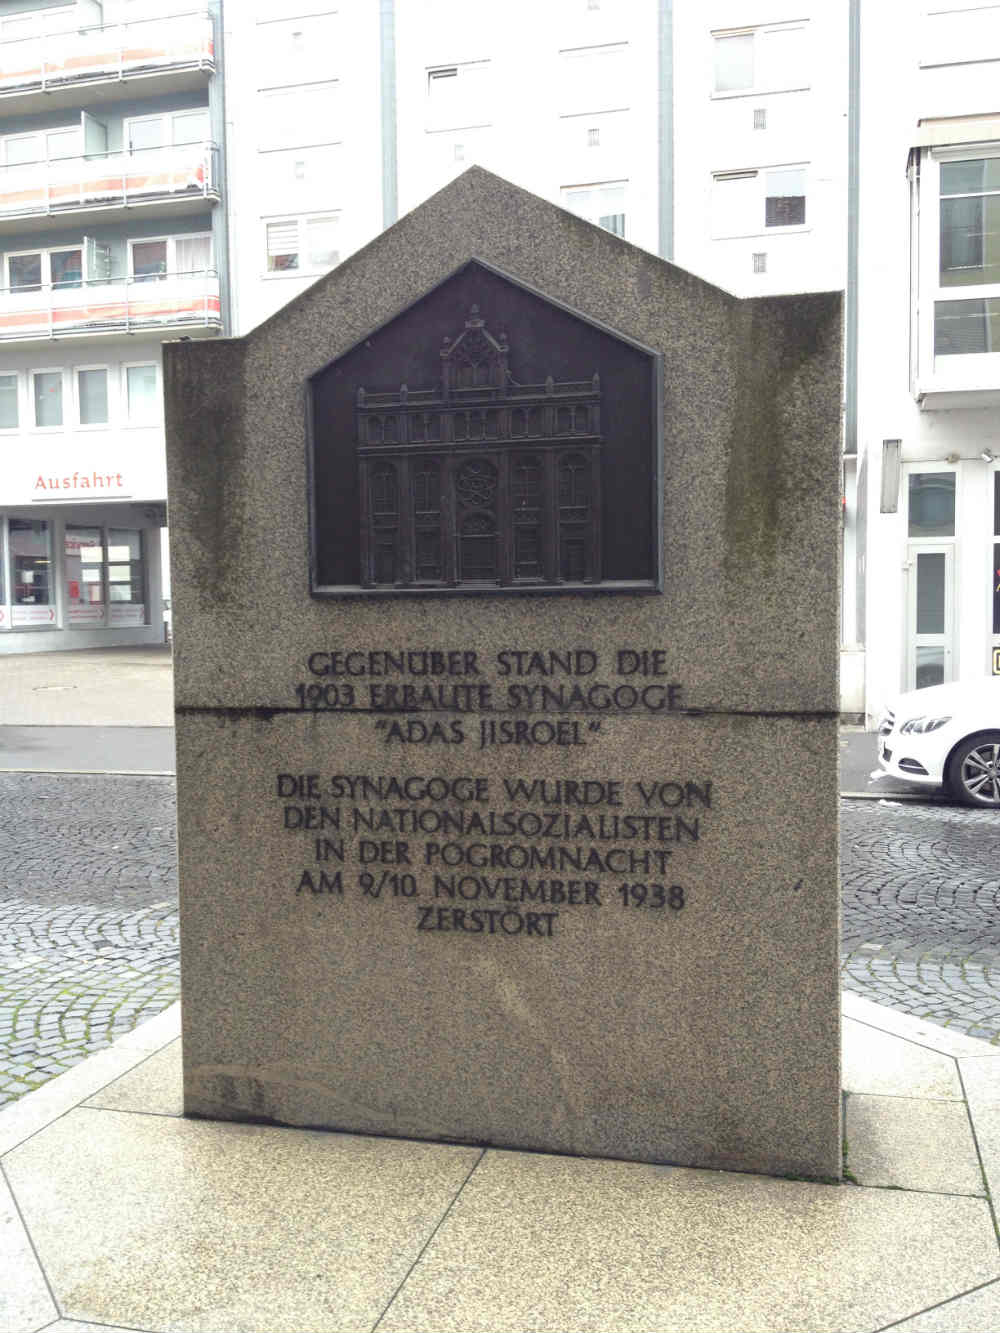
(473, 118)
(18, 376)
(289, 90)
(580, 187)
(301, 221)
(92, 425)
(761, 174)
(46, 254)
(757, 89)
(5, 139)
(961, 370)
(126, 420)
(171, 242)
(601, 105)
(65, 399)
(170, 118)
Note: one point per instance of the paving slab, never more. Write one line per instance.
(883, 1064)
(981, 1078)
(228, 1227)
(156, 1087)
(546, 1243)
(906, 1143)
(25, 1300)
(976, 1312)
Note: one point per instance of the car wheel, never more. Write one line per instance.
(974, 770)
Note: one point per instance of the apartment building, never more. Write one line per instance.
(174, 173)
(924, 586)
(111, 227)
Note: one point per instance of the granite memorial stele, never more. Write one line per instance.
(505, 569)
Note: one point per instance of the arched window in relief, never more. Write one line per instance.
(526, 482)
(385, 500)
(535, 422)
(374, 430)
(580, 422)
(426, 489)
(477, 549)
(461, 424)
(527, 501)
(574, 483)
(391, 430)
(518, 422)
(563, 421)
(426, 481)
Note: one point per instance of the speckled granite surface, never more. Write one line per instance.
(443, 961)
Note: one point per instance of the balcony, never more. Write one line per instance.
(170, 302)
(168, 181)
(52, 70)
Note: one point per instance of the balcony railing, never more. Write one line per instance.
(33, 189)
(114, 51)
(111, 305)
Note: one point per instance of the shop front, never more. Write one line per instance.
(80, 551)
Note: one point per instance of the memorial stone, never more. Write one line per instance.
(505, 570)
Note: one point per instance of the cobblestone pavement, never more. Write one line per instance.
(921, 911)
(88, 917)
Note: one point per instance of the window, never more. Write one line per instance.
(154, 260)
(594, 78)
(24, 272)
(83, 568)
(126, 577)
(931, 504)
(747, 203)
(31, 570)
(47, 145)
(760, 118)
(968, 257)
(40, 268)
(306, 244)
(760, 261)
(594, 138)
(298, 50)
(785, 198)
(141, 395)
(149, 260)
(458, 96)
(765, 59)
(105, 576)
(602, 204)
(92, 395)
(66, 268)
(298, 117)
(47, 391)
(9, 417)
(182, 127)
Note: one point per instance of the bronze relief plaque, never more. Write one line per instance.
(486, 440)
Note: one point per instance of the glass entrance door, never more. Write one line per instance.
(930, 616)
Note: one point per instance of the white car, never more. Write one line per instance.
(946, 735)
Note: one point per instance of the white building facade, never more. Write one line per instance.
(110, 180)
(173, 173)
(927, 562)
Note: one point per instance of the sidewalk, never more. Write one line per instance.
(123, 1213)
(94, 710)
